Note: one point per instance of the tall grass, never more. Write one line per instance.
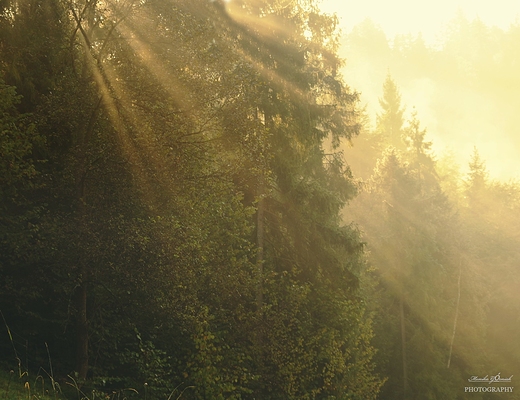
(17, 384)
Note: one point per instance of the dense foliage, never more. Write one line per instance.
(178, 218)
(170, 218)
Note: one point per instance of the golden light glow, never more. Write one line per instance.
(474, 118)
(477, 118)
(428, 17)
(456, 107)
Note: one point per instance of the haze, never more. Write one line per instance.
(427, 17)
(455, 62)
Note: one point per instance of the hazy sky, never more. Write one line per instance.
(475, 122)
(426, 16)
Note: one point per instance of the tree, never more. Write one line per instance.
(19, 146)
(184, 150)
(299, 102)
(476, 180)
(419, 151)
(390, 121)
(413, 242)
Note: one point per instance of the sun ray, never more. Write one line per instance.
(128, 148)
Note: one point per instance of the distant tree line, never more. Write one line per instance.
(442, 250)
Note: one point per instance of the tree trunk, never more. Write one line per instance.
(403, 344)
(82, 330)
(260, 253)
(456, 316)
(81, 290)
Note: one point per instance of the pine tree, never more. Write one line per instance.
(390, 121)
(419, 153)
(476, 180)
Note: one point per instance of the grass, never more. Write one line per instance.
(19, 384)
(16, 386)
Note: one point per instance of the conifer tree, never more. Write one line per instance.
(476, 180)
(419, 153)
(390, 120)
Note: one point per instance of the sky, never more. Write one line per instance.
(431, 18)
(426, 16)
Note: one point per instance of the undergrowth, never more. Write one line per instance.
(18, 383)
(16, 386)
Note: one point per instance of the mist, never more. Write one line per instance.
(464, 89)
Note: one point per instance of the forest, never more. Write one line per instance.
(195, 203)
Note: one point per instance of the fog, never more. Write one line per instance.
(459, 73)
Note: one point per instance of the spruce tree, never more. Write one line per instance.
(390, 120)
